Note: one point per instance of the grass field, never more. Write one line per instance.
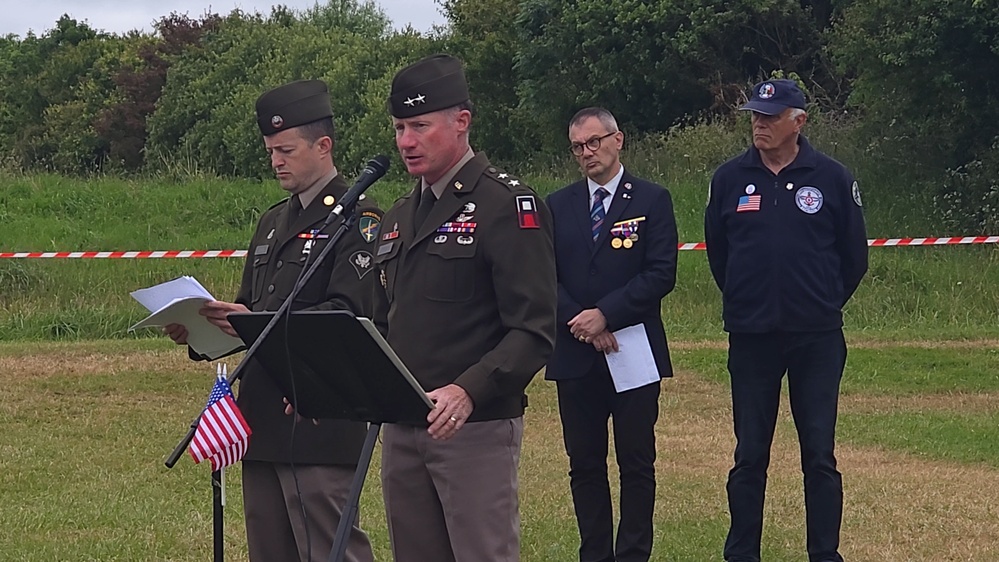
(87, 426)
(89, 412)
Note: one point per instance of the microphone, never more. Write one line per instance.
(373, 172)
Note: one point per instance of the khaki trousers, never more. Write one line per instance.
(454, 500)
(275, 528)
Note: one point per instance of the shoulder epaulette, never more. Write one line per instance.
(281, 202)
(511, 181)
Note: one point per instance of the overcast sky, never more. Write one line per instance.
(119, 16)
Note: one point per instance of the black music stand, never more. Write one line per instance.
(341, 368)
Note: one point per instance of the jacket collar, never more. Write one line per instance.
(289, 227)
(806, 157)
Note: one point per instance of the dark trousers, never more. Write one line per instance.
(585, 404)
(814, 364)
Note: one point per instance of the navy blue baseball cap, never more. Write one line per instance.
(772, 97)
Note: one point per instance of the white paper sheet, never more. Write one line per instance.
(178, 302)
(633, 365)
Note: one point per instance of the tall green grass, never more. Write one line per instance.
(913, 292)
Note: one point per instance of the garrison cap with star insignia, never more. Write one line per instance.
(291, 105)
(431, 84)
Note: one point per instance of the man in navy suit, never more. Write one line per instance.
(615, 254)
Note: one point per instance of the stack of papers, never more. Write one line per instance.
(178, 302)
(633, 365)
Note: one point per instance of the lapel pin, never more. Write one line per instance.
(329, 200)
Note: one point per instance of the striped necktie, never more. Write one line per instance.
(597, 212)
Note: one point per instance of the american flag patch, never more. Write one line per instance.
(748, 203)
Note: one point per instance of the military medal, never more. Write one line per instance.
(450, 226)
(628, 231)
(313, 234)
(393, 234)
(616, 243)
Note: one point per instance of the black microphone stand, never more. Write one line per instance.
(347, 220)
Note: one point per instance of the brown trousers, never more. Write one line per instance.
(275, 529)
(454, 500)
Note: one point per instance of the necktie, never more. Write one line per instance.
(294, 206)
(427, 200)
(597, 212)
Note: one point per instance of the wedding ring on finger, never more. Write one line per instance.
(454, 419)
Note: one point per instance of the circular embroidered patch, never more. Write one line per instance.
(808, 199)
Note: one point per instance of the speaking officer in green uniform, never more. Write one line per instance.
(467, 268)
(296, 121)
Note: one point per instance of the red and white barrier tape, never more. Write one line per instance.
(951, 240)
(129, 255)
(876, 242)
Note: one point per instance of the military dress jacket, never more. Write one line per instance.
(625, 273)
(787, 250)
(469, 297)
(276, 256)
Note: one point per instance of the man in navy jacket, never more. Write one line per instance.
(615, 255)
(787, 247)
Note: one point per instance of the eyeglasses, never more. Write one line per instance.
(593, 144)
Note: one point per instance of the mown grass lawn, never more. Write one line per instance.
(88, 424)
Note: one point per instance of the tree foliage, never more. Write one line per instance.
(926, 80)
(654, 64)
(911, 77)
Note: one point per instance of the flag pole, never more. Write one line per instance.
(218, 503)
(218, 496)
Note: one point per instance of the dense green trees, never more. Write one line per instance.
(898, 77)
(926, 80)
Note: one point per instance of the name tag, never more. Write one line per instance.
(261, 250)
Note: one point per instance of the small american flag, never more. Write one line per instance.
(222, 433)
(748, 203)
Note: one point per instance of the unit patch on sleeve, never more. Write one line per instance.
(368, 225)
(527, 212)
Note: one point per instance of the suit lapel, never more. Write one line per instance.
(579, 201)
(617, 207)
(453, 198)
(313, 215)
